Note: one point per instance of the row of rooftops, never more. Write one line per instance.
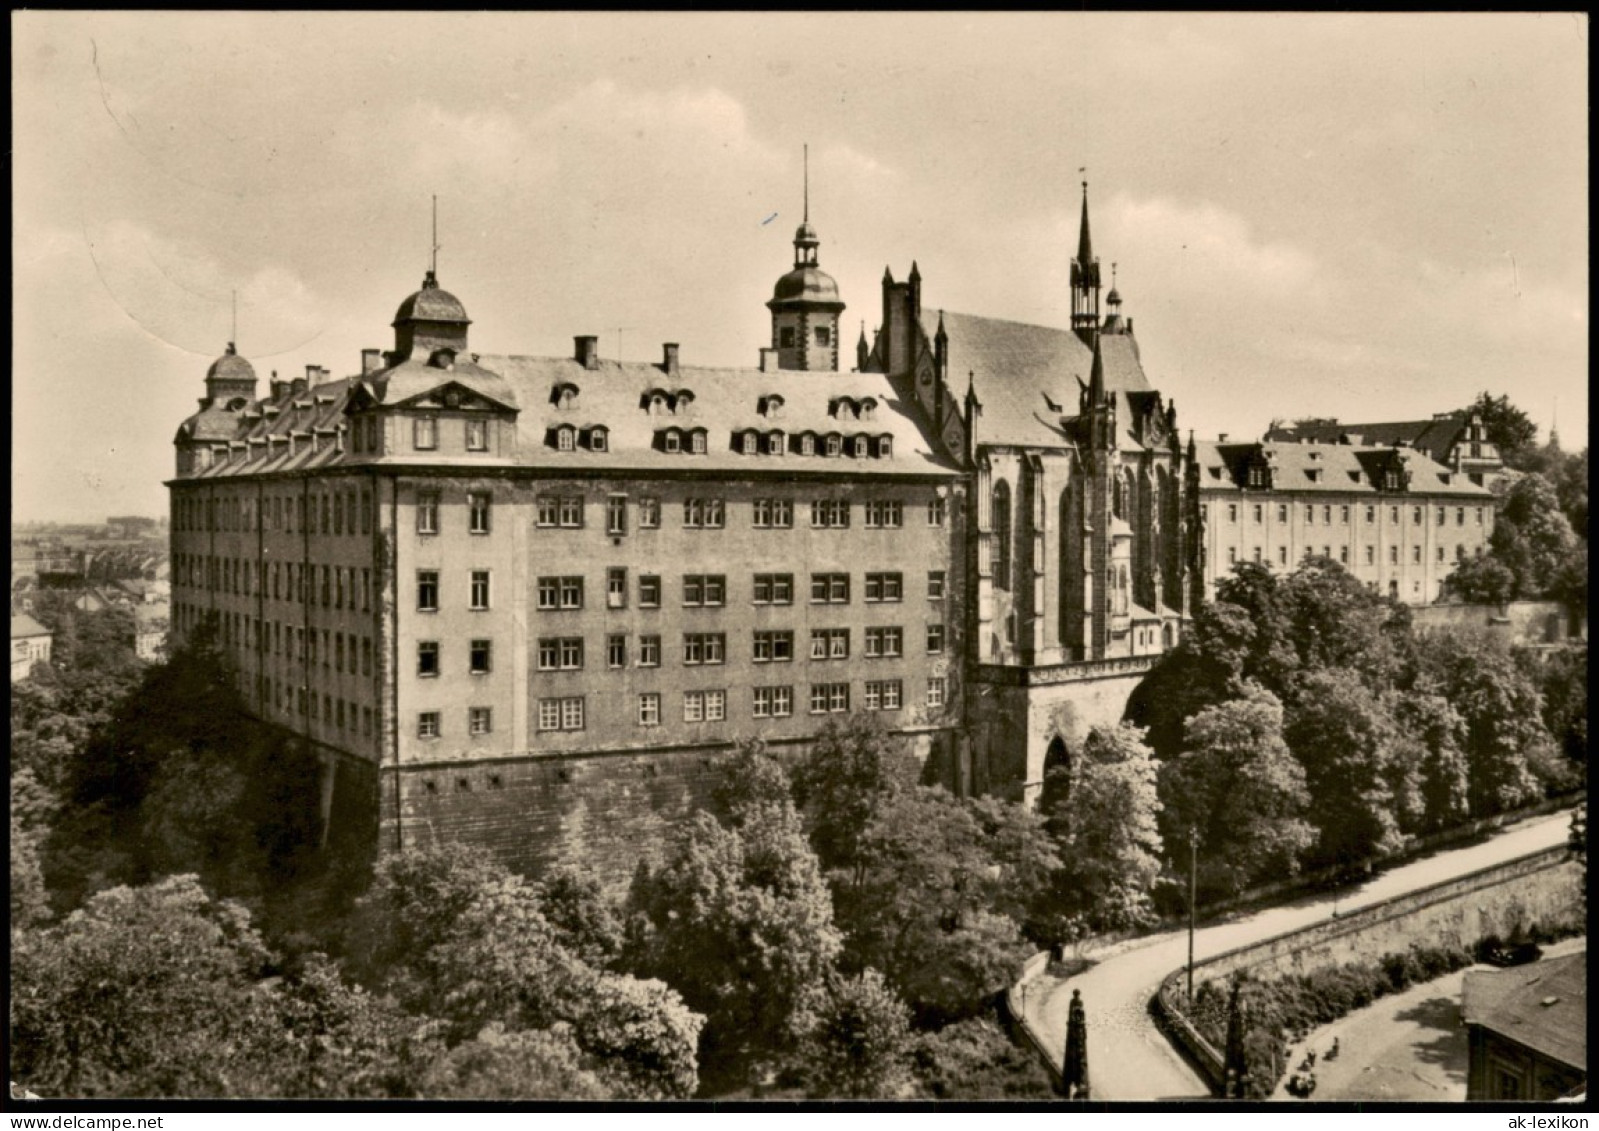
(1313, 468)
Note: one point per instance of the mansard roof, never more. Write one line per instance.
(1333, 469)
(725, 403)
(1436, 436)
(1027, 377)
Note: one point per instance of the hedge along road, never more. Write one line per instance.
(1130, 1059)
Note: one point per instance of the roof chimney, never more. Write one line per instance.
(587, 350)
(315, 375)
(371, 361)
(1221, 438)
(768, 360)
(299, 385)
(669, 358)
(279, 388)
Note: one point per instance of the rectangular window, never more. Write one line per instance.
(427, 723)
(1257, 555)
(773, 647)
(427, 590)
(885, 514)
(1310, 515)
(828, 698)
(1393, 515)
(649, 709)
(1232, 512)
(427, 658)
(1282, 512)
(616, 514)
(884, 587)
(1443, 514)
(1415, 555)
(616, 588)
(547, 511)
(936, 690)
(1415, 517)
(935, 585)
(424, 433)
(561, 714)
(704, 706)
(1460, 516)
(649, 513)
(884, 695)
(480, 589)
(773, 702)
(481, 656)
(830, 513)
(549, 593)
(1326, 514)
(479, 720)
(427, 513)
(706, 514)
(704, 589)
(1343, 515)
(1232, 555)
(935, 639)
(774, 588)
(1393, 555)
(649, 591)
(1282, 555)
(1440, 555)
(1479, 516)
(773, 514)
(649, 651)
(829, 643)
(885, 642)
(571, 512)
(704, 648)
(936, 509)
(477, 436)
(616, 651)
(477, 512)
(571, 592)
(1371, 554)
(1260, 513)
(1343, 555)
(829, 588)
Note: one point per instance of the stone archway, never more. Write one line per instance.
(1057, 784)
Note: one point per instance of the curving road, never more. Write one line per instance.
(1129, 1058)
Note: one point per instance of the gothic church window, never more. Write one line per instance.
(1001, 527)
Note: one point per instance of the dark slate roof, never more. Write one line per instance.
(230, 367)
(725, 402)
(1543, 1005)
(431, 304)
(806, 285)
(1027, 377)
(1344, 469)
(1435, 437)
(23, 626)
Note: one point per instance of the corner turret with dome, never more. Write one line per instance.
(805, 304)
(229, 377)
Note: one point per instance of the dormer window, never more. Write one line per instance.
(750, 444)
(566, 438)
(672, 442)
(860, 447)
(697, 442)
(1257, 476)
(657, 402)
(566, 395)
(807, 445)
(772, 406)
(598, 439)
(868, 409)
(682, 399)
(1314, 474)
(1390, 480)
(835, 445)
(442, 358)
(774, 443)
(885, 447)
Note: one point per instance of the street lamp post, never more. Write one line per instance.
(1193, 896)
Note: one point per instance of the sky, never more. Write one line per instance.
(1369, 217)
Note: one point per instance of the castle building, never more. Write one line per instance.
(1393, 517)
(523, 601)
(1458, 440)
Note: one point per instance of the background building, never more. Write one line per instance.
(1527, 1029)
(1394, 518)
(30, 645)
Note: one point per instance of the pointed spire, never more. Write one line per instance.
(940, 335)
(433, 262)
(888, 277)
(916, 273)
(1085, 245)
(1096, 378)
(807, 215)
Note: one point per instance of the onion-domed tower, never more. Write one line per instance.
(431, 319)
(805, 306)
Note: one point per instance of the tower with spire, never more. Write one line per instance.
(1085, 283)
(805, 304)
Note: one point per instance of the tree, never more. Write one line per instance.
(846, 776)
(1482, 581)
(1241, 787)
(747, 779)
(857, 1039)
(1509, 429)
(30, 903)
(1429, 737)
(142, 992)
(585, 920)
(1108, 830)
(539, 1064)
(932, 901)
(1344, 738)
(741, 922)
(453, 935)
(1501, 710)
